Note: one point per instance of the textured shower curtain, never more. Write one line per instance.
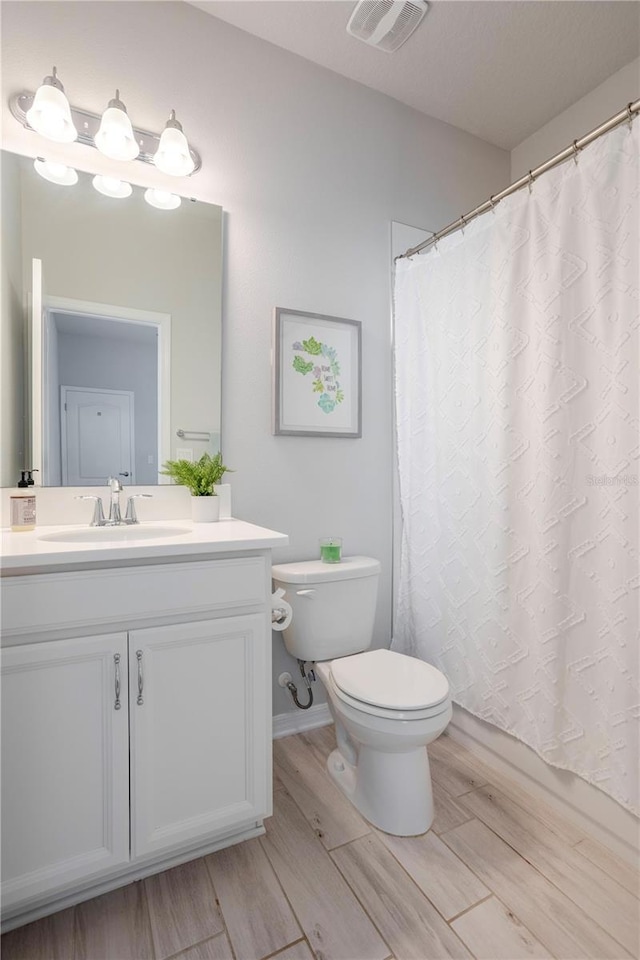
(517, 367)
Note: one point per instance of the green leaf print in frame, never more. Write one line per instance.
(326, 371)
(301, 366)
(316, 375)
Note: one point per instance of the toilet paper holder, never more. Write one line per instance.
(281, 612)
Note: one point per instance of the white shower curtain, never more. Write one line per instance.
(517, 367)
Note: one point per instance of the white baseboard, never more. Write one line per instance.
(591, 810)
(297, 721)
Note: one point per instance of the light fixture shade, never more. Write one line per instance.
(162, 199)
(50, 113)
(111, 187)
(56, 172)
(115, 138)
(173, 156)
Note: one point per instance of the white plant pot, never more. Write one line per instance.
(205, 509)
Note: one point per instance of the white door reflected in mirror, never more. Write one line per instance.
(97, 432)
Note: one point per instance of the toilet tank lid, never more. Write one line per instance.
(315, 571)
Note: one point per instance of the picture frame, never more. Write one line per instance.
(317, 375)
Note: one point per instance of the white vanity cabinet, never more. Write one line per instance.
(198, 763)
(136, 719)
(65, 764)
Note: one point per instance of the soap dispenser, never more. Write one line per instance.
(23, 505)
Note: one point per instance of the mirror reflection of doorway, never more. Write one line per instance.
(97, 435)
(101, 397)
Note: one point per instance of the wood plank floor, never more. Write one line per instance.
(499, 877)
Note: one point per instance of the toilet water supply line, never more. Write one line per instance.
(281, 616)
(293, 690)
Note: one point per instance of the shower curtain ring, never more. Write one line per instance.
(532, 180)
(493, 204)
(629, 115)
(576, 151)
(463, 222)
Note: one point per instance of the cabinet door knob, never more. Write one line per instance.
(140, 699)
(116, 660)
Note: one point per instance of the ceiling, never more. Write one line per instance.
(499, 69)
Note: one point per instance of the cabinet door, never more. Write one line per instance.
(200, 730)
(65, 776)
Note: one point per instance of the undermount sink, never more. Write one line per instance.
(114, 534)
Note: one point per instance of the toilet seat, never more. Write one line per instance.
(393, 681)
(363, 707)
(402, 688)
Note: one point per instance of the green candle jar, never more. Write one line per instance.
(331, 549)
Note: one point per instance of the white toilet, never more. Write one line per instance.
(386, 706)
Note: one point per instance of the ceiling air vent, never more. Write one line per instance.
(386, 24)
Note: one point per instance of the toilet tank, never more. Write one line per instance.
(333, 605)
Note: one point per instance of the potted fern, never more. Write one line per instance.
(201, 477)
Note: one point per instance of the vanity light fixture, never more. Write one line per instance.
(162, 199)
(173, 156)
(111, 187)
(56, 172)
(115, 138)
(50, 113)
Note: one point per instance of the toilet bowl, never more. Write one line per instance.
(386, 706)
(381, 763)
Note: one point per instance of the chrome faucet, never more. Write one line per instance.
(115, 514)
(115, 517)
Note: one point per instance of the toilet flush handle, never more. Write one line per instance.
(305, 593)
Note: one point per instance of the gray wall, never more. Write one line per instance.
(311, 169)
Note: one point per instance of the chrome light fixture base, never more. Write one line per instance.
(87, 124)
(53, 80)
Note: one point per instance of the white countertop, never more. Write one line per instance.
(28, 552)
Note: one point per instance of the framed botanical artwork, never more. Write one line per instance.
(317, 388)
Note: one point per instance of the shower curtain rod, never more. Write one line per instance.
(572, 151)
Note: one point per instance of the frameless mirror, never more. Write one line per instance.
(111, 331)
